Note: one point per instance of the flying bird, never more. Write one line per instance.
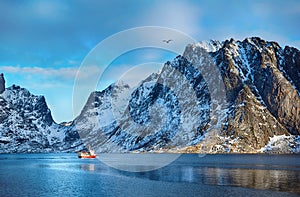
(167, 41)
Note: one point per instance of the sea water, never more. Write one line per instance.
(189, 175)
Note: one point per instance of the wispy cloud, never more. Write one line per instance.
(62, 73)
(65, 73)
(180, 15)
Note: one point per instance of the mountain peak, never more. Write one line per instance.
(27, 126)
(208, 45)
(2, 83)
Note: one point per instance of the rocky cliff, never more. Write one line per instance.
(262, 93)
(2, 83)
(218, 97)
(173, 110)
(26, 124)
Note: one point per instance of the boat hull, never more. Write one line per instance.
(90, 154)
(87, 156)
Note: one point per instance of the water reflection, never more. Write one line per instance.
(137, 162)
(280, 173)
(88, 167)
(280, 180)
(269, 179)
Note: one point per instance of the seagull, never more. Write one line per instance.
(167, 41)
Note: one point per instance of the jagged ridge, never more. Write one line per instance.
(26, 124)
(171, 110)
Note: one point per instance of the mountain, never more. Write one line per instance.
(173, 110)
(2, 83)
(26, 124)
(218, 97)
(262, 93)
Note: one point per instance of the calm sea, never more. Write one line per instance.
(189, 175)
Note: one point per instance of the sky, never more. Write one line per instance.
(43, 43)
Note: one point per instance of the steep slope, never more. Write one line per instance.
(26, 124)
(263, 101)
(174, 108)
(163, 111)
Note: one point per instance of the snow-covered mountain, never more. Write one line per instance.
(231, 96)
(262, 88)
(173, 110)
(26, 124)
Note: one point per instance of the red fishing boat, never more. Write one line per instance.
(87, 154)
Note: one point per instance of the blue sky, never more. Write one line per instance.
(42, 43)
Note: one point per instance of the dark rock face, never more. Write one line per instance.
(2, 83)
(280, 94)
(267, 75)
(251, 123)
(262, 90)
(291, 65)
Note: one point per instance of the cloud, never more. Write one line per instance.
(61, 73)
(64, 73)
(48, 9)
(268, 8)
(43, 32)
(181, 15)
